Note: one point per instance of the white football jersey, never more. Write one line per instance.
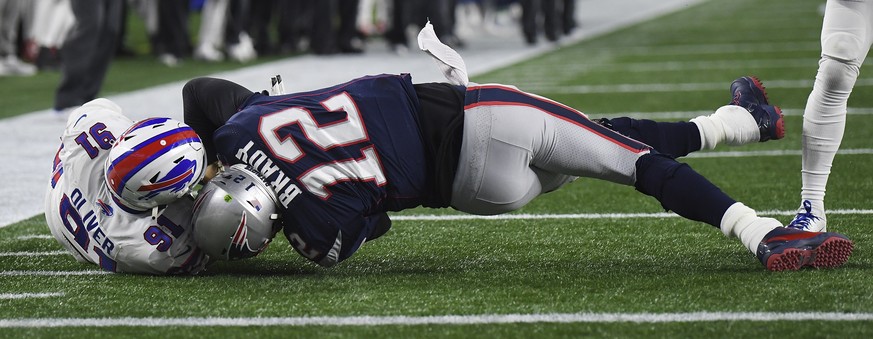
(94, 228)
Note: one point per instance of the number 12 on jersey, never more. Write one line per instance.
(346, 132)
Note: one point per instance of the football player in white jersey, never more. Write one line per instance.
(105, 202)
(846, 36)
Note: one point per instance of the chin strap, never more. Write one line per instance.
(449, 61)
(156, 211)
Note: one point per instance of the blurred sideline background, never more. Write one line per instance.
(147, 85)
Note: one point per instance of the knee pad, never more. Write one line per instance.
(653, 172)
(843, 46)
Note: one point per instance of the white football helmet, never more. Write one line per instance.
(235, 215)
(154, 162)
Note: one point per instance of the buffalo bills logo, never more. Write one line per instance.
(239, 246)
(175, 180)
(105, 208)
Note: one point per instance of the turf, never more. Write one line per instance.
(544, 266)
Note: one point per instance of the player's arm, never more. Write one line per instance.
(208, 104)
(164, 244)
(329, 238)
(381, 223)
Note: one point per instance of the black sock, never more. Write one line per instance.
(680, 189)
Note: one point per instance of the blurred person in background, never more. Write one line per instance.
(440, 13)
(44, 41)
(87, 51)
(171, 41)
(223, 31)
(327, 38)
(539, 16)
(551, 17)
(846, 37)
(11, 18)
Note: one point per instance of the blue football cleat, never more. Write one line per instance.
(749, 93)
(790, 249)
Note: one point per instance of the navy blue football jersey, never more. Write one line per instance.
(338, 158)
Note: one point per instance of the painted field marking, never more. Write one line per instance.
(7, 296)
(32, 254)
(34, 236)
(639, 318)
(692, 114)
(51, 273)
(431, 217)
(771, 153)
(671, 87)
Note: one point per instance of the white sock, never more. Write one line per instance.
(824, 123)
(729, 124)
(742, 222)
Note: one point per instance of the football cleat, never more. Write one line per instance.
(749, 93)
(791, 249)
(805, 220)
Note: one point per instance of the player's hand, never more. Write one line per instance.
(211, 171)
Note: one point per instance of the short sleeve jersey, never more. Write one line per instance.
(338, 158)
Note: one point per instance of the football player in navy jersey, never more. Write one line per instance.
(339, 158)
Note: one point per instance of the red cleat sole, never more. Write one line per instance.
(833, 252)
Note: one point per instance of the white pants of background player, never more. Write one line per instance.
(846, 36)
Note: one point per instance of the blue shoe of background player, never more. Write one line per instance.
(790, 249)
(749, 93)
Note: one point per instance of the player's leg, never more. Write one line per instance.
(494, 175)
(514, 135)
(747, 118)
(846, 36)
(511, 136)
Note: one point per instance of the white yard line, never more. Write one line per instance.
(524, 216)
(28, 142)
(671, 87)
(691, 114)
(32, 254)
(771, 153)
(34, 236)
(19, 273)
(564, 318)
(7, 296)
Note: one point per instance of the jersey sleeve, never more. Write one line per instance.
(208, 104)
(97, 111)
(161, 245)
(330, 233)
(84, 219)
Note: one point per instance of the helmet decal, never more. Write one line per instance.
(173, 181)
(139, 156)
(239, 247)
(154, 162)
(255, 203)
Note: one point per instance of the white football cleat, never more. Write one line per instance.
(806, 220)
(208, 53)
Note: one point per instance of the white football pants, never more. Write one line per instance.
(517, 146)
(846, 36)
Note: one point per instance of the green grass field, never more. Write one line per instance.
(537, 266)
